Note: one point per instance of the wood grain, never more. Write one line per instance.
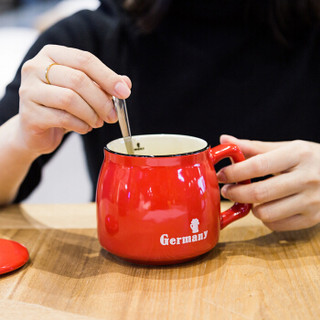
(252, 273)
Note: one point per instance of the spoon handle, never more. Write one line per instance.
(122, 112)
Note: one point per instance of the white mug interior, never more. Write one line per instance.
(153, 145)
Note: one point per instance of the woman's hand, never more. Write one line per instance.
(290, 199)
(78, 98)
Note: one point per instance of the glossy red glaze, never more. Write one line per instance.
(238, 210)
(162, 210)
(13, 255)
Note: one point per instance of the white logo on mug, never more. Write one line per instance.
(165, 240)
(194, 225)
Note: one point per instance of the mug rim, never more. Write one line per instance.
(159, 156)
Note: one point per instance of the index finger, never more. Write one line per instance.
(88, 63)
(272, 162)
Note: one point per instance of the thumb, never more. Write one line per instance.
(251, 148)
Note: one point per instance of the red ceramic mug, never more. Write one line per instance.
(162, 204)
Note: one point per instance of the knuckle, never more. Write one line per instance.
(112, 117)
(259, 193)
(311, 200)
(65, 119)
(66, 99)
(27, 67)
(85, 58)
(260, 164)
(46, 48)
(263, 213)
(77, 79)
(310, 179)
(26, 94)
(303, 148)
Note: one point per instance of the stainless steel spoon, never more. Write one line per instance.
(122, 112)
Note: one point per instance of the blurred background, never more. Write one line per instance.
(65, 179)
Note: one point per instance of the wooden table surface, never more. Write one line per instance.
(252, 273)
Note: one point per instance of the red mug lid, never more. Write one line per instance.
(13, 255)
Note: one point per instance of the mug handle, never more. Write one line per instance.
(238, 210)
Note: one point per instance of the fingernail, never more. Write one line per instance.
(127, 81)
(122, 89)
(224, 191)
(221, 176)
(99, 123)
(112, 116)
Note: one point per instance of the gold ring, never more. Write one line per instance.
(47, 72)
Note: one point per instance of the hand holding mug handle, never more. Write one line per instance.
(238, 210)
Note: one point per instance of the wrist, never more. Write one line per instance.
(15, 142)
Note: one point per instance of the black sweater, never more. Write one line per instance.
(203, 71)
